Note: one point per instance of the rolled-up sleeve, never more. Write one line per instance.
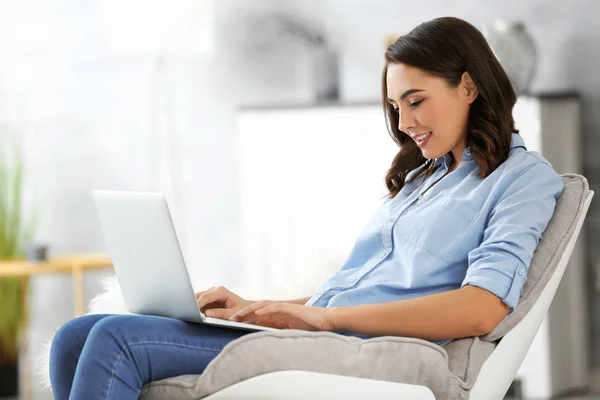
(514, 229)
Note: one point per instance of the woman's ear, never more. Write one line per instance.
(469, 87)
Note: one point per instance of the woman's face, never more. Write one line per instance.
(433, 114)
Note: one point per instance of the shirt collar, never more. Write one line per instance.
(516, 141)
(439, 161)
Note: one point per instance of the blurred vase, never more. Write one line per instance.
(325, 74)
(36, 252)
(516, 51)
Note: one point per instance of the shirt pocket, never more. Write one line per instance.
(439, 227)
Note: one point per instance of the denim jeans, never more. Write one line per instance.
(113, 356)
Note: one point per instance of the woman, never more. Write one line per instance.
(444, 257)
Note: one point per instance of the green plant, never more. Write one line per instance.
(14, 234)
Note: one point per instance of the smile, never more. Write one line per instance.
(422, 139)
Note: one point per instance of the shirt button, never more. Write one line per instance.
(320, 291)
(353, 279)
(521, 272)
(468, 152)
(382, 256)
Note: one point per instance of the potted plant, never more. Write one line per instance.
(13, 236)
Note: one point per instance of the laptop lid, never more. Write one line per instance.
(147, 258)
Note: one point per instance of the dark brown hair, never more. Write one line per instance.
(446, 48)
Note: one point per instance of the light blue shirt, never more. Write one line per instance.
(463, 231)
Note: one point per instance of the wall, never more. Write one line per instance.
(84, 117)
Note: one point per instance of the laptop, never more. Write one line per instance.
(147, 258)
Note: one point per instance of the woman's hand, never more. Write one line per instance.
(286, 316)
(219, 302)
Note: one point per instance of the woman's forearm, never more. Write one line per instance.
(469, 311)
(301, 301)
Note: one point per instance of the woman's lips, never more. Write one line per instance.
(423, 142)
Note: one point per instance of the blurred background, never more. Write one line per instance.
(256, 118)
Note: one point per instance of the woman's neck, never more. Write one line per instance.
(453, 164)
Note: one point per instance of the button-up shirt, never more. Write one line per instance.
(449, 230)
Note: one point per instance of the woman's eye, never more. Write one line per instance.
(416, 103)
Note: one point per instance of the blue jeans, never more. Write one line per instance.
(113, 356)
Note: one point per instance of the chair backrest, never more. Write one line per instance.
(518, 330)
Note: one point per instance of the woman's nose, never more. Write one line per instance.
(405, 121)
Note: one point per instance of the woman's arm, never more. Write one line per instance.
(469, 311)
(301, 301)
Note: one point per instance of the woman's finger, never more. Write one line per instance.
(198, 294)
(222, 313)
(273, 308)
(219, 294)
(247, 311)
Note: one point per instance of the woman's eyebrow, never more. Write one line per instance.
(409, 92)
(405, 94)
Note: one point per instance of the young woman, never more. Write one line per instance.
(444, 257)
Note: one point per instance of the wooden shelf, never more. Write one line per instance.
(62, 264)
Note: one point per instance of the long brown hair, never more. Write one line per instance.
(446, 48)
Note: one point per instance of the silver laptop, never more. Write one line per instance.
(147, 258)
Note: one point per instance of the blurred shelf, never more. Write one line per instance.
(61, 264)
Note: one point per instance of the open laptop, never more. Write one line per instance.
(147, 258)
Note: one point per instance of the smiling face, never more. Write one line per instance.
(431, 112)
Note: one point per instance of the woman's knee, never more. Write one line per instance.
(116, 329)
(74, 333)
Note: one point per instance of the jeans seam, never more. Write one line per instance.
(127, 347)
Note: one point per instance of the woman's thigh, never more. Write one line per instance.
(124, 352)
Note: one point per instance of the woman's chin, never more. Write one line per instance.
(430, 155)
